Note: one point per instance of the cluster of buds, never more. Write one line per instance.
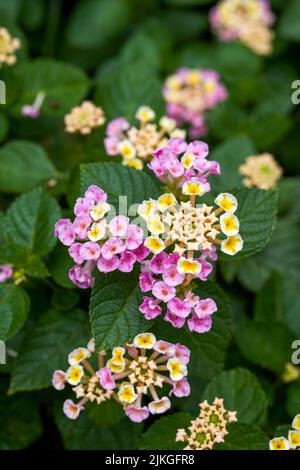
(33, 110)
(8, 46)
(248, 21)
(137, 144)
(189, 93)
(96, 241)
(261, 171)
(209, 428)
(183, 229)
(293, 441)
(131, 376)
(6, 272)
(84, 118)
(184, 167)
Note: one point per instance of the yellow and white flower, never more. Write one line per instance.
(97, 232)
(177, 369)
(78, 355)
(126, 149)
(229, 224)
(166, 201)
(168, 124)
(74, 374)
(279, 443)
(188, 160)
(232, 245)
(159, 406)
(188, 266)
(147, 208)
(99, 211)
(155, 244)
(118, 356)
(296, 422)
(134, 163)
(155, 225)
(144, 341)
(145, 114)
(116, 368)
(294, 438)
(127, 394)
(227, 202)
(193, 188)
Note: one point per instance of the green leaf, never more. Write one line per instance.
(46, 348)
(291, 305)
(241, 392)
(161, 435)
(20, 421)
(293, 399)
(289, 24)
(3, 127)
(208, 350)
(268, 302)
(118, 180)
(59, 264)
(14, 307)
(30, 221)
(110, 412)
(23, 166)
(266, 343)
(64, 85)
(257, 215)
(187, 2)
(244, 437)
(95, 22)
(124, 89)
(231, 154)
(114, 309)
(85, 434)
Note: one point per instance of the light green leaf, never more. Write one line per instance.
(14, 307)
(118, 180)
(161, 435)
(46, 348)
(257, 215)
(241, 392)
(30, 221)
(114, 309)
(244, 437)
(23, 166)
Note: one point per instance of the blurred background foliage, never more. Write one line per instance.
(117, 53)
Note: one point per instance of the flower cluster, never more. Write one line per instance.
(130, 376)
(208, 428)
(33, 110)
(248, 21)
(6, 272)
(261, 171)
(84, 118)
(182, 166)
(93, 240)
(293, 441)
(137, 144)
(8, 46)
(189, 93)
(183, 229)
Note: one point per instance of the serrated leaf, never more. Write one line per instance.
(244, 437)
(122, 91)
(231, 154)
(266, 343)
(14, 307)
(114, 309)
(241, 392)
(46, 347)
(20, 421)
(23, 166)
(208, 350)
(30, 221)
(118, 180)
(257, 215)
(161, 435)
(63, 84)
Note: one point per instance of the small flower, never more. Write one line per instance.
(229, 224)
(145, 341)
(74, 374)
(294, 438)
(296, 422)
(232, 245)
(279, 443)
(159, 406)
(209, 428)
(72, 410)
(145, 114)
(227, 202)
(59, 380)
(6, 272)
(188, 266)
(78, 355)
(33, 110)
(261, 171)
(106, 379)
(127, 394)
(8, 46)
(155, 244)
(163, 292)
(137, 414)
(84, 118)
(193, 188)
(177, 369)
(293, 441)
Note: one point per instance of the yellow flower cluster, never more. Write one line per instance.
(261, 171)
(84, 118)
(208, 428)
(293, 441)
(8, 45)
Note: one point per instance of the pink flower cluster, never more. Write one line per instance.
(161, 278)
(6, 272)
(94, 241)
(179, 162)
(189, 93)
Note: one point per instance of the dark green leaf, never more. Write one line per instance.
(161, 435)
(14, 307)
